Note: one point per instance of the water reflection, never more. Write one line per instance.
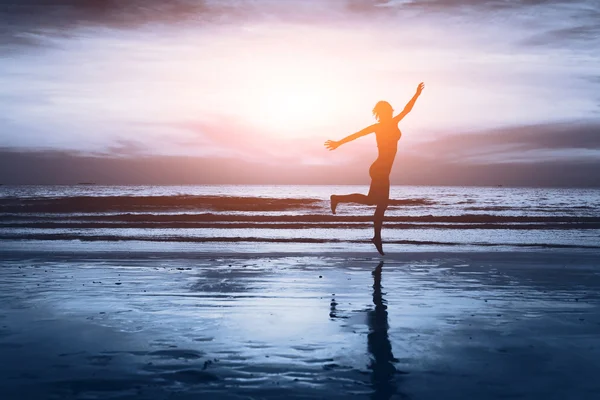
(379, 346)
(382, 360)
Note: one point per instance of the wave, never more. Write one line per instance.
(189, 218)
(411, 202)
(96, 204)
(83, 204)
(61, 224)
(110, 238)
(530, 209)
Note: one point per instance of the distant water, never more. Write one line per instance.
(418, 215)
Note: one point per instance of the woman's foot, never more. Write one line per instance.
(334, 203)
(378, 244)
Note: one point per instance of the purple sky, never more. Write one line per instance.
(265, 83)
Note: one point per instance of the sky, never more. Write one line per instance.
(247, 91)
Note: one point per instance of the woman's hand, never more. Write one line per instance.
(420, 88)
(332, 144)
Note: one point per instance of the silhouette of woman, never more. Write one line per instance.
(387, 135)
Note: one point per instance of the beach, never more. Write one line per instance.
(299, 200)
(260, 293)
(417, 325)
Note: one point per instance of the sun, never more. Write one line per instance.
(292, 101)
(292, 105)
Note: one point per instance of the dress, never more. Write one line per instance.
(387, 144)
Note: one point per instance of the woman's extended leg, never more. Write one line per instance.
(377, 224)
(350, 198)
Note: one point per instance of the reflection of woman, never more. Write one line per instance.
(387, 135)
(379, 343)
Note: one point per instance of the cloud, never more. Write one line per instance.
(583, 34)
(574, 141)
(29, 22)
(483, 4)
(61, 167)
(564, 155)
(455, 5)
(67, 13)
(554, 22)
(228, 137)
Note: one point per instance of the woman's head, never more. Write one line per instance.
(383, 111)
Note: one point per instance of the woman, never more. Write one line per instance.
(387, 135)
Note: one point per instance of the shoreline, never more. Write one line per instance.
(125, 325)
(361, 250)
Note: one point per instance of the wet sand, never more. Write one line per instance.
(479, 325)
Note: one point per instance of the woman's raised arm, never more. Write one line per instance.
(409, 106)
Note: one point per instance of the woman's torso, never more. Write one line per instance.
(387, 136)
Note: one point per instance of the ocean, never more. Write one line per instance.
(297, 217)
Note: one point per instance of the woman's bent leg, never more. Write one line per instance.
(349, 198)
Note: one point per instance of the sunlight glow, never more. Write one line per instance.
(274, 84)
(291, 105)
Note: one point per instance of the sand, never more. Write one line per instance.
(182, 325)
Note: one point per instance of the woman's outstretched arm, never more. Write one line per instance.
(409, 106)
(332, 144)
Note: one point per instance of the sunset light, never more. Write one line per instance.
(300, 199)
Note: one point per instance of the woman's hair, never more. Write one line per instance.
(382, 107)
